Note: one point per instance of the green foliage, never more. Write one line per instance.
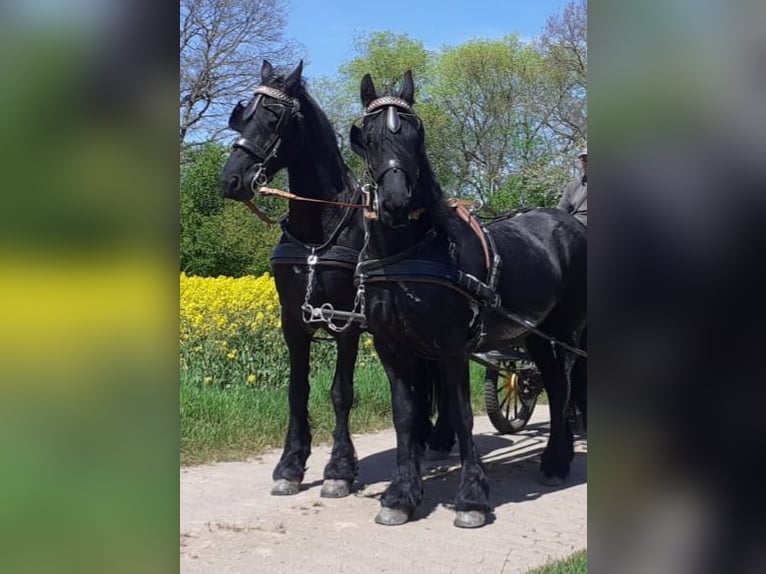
(575, 564)
(386, 56)
(218, 236)
(487, 106)
(494, 145)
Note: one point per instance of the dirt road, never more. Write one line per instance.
(230, 523)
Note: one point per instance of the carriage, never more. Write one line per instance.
(512, 385)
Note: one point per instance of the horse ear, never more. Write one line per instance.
(295, 77)
(356, 141)
(408, 88)
(266, 70)
(367, 90)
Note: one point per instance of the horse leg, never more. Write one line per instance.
(406, 489)
(472, 501)
(289, 471)
(442, 437)
(554, 367)
(580, 381)
(340, 472)
(423, 397)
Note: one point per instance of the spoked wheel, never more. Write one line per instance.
(510, 398)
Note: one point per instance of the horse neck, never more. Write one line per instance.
(318, 173)
(386, 242)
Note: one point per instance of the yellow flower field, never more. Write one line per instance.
(230, 333)
(221, 306)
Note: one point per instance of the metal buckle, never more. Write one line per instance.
(259, 179)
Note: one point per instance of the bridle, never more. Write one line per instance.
(391, 105)
(290, 107)
(242, 113)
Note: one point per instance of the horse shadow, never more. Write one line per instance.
(511, 462)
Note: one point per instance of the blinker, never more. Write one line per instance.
(250, 112)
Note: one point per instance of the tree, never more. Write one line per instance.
(564, 42)
(221, 43)
(385, 56)
(491, 135)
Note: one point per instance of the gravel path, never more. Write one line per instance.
(230, 523)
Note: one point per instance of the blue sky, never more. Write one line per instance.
(327, 27)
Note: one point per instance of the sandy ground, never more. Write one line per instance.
(230, 523)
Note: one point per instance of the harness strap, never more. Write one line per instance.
(369, 265)
(296, 254)
(415, 271)
(425, 271)
(464, 213)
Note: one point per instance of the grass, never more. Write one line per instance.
(239, 422)
(575, 564)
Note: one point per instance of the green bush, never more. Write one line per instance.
(218, 236)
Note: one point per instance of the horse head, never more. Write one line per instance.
(391, 139)
(267, 125)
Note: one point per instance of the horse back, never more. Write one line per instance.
(543, 254)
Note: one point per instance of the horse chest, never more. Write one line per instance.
(426, 319)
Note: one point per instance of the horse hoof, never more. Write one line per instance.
(335, 488)
(470, 519)
(550, 480)
(392, 516)
(436, 454)
(284, 487)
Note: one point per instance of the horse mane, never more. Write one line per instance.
(436, 201)
(310, 110)
(315, 122)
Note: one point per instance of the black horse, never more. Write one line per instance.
(283, 127)
(432, 294)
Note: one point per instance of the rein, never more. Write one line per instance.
(273, 192)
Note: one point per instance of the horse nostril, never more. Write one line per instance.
(235, 182)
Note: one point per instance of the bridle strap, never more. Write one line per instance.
(248, 146)
(279, 96)
(388, 165)
(388, 101)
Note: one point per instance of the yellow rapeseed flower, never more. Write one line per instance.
(207, 380)
(250, 379)
(222, 307)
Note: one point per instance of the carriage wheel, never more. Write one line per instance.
(510, 400)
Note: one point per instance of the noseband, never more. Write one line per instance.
(290, 107)
(391, 105)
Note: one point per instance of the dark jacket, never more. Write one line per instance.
(574, 200)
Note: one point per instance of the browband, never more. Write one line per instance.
(277, 95)
(388, 101)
